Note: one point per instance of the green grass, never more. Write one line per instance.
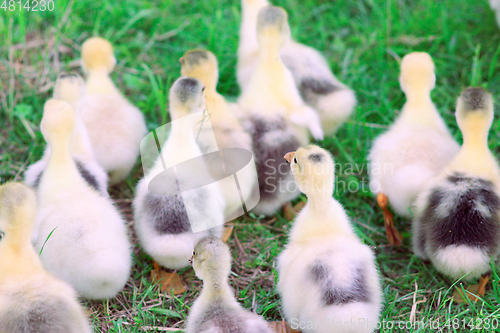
(363, 42)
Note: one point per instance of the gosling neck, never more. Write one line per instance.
(18, 255)
(420, 110)
(320, 199)
(418, 97)
(183, 129)
(269, 51)
(16, 240)
(60, 151)
(322, 215)
(475, 136)
(18, 235)
(99, 82)
(61, 170)
(216, 286)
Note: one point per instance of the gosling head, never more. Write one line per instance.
(474, 112)
(211, 259)
(186, 97)
(17, 208)
(313, 169)
(272, 26)
(70, 88)
(417, 73)
(58, 122)
(97, 54)
(201, 65)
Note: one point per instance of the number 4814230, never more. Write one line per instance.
(28, 5)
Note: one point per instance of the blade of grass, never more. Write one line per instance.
(48, 237)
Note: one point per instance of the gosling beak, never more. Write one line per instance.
(191, 260)
(181, 60)
(289, 156)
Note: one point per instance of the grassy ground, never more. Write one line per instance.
(363, 42)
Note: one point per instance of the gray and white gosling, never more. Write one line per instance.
(225, 126)
(319, 88)
(216, 309)
(457, 222)
(327, 277)
(274, 114)
(163, 222)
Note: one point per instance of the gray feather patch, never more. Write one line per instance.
(316, 158)
(475, 98)
(84, 173)
(194, 57)
(334, 295)
(167, 213)
(186, 88)
(311, 85)
(462, 211)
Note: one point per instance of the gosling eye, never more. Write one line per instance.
(295, 160)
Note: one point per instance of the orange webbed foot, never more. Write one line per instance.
(393, 235)
(473, 291)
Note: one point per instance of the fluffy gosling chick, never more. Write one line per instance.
(457, 222)
(319, 88)
(216, 309)
(414, 149)
(31, 300)
(71, 88)
(228, 131)
(326, 275)
(274, 114)
(115, 126)
(83, 236)
(163, 221)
